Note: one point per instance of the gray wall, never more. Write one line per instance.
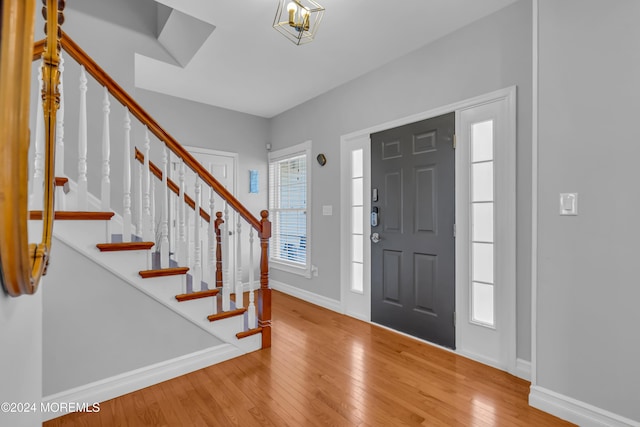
(96, 326)
(490, 54)
(21, 356)
(588, 292)
(201, 125)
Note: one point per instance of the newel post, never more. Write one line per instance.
(264, 294)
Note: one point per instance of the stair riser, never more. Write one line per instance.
(165, 288)
(140, 258)
(83, 233)
(225, 327)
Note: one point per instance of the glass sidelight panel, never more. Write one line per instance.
(482, 308)
(357, 195)
(357, 246)
(357, 222)
(357, 277)
(482, 266)
(482, 223)
(356, 163)
(482, 141)
(482, 182)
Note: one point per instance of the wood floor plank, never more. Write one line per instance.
(325, 369)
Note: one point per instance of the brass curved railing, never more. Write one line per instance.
(22, 264)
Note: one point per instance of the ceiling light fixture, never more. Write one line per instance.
(299, 20)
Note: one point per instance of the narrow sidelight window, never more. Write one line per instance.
(482, 220)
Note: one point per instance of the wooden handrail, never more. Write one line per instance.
(155, 170)
(145, 118)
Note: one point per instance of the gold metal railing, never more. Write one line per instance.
(22, 264)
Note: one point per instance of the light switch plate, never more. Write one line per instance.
(327, 210)
(568, 203)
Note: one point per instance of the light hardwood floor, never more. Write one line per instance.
(328, 369)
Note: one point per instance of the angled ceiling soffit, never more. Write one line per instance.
(180, 34)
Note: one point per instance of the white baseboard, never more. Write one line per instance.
(128, 382)
(523, 369)
(575, 411)
(316, 299)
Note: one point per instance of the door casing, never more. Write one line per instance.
(359, 305)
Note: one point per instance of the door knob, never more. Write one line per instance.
(375, 237)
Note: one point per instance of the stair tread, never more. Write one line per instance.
(63, 182)
(124, 246)
(161, 272)
(75, 215)
(249, 332)
(226, 314)
(197, 295)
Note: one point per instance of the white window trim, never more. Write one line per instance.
(302, 148)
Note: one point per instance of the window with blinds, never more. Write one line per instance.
(289, 208)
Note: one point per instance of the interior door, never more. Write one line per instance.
(221, 166)
(412, 233)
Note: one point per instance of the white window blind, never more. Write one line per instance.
(288, 206)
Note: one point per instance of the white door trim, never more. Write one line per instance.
(360, 136)
(234, 156)
(534, 199)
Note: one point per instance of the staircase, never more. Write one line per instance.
(195, 258)
(138, 263)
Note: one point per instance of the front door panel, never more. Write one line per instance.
(413, 263)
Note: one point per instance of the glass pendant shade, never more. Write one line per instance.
(298, 20)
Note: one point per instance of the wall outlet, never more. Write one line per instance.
(314, 271)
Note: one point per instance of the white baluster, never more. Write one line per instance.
(182, 229)
(197, 254)
(139, 202)
(154, 225)
(164, 219)
(126, 201)
(147, 225)
(186, 254)
(37, 191)
(59, 167)
(251, 311)
(226, 286)
(187, 224)
(239, 290)
(171, 218)
(211, 254)
(106, 153)
(229, 229)
(105, 186)
(83, 200)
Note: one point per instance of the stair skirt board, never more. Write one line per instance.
(118, 385)
(163, 289)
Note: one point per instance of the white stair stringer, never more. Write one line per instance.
(83, 235)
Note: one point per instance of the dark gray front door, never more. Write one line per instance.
(413, 263)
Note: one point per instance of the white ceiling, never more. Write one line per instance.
(246, 65)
